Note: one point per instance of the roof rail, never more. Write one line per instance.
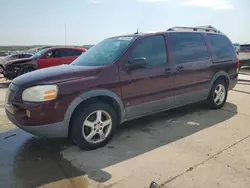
(206, 28)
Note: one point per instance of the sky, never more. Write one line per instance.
(47, 22)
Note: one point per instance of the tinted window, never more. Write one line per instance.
(57, 53)
(70, 52)
(53, 54)
(67, 52)
(153, 49)
(188, 47)
(20, 56)
(11, 57)
(221, 45)
(77, 52)
(26, 55)
(15, 56)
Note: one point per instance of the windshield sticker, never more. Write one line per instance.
(125, 38)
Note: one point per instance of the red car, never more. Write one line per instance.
(48, 57)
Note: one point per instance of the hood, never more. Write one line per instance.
(55, 75)
(17, 61)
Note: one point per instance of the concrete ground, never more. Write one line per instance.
(186, 147)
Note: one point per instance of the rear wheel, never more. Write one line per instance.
(218, 95)
(93, 125)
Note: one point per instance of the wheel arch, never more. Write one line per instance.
(220, 75)
(105, 96)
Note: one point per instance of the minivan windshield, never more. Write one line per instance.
(105, 52)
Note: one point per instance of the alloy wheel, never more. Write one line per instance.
(97, 126)
(219, 94)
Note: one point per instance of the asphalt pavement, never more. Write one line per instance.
(187, 147)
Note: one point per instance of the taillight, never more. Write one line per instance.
(238, 64)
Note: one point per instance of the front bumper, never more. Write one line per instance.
(9, 74)
(55, 130)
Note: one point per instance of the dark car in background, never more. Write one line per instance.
(44, 58)
(5, 59)
(123, 78)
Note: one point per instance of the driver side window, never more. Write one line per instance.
(153, 48)
(53, 54)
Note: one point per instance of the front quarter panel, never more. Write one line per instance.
(74, 92)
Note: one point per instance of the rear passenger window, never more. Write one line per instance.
(221, 45)
(188, 47)
(70, 52)
(153, 49)
(77, 52)
(66, 52)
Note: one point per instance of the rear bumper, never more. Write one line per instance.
(55, 130)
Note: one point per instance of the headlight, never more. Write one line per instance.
(40, 93)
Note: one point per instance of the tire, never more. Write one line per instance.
(85, 125)
(1, 69)
(218, 86)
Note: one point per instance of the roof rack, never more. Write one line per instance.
(206, 28)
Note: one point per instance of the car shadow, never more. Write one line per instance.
(243, 80)
(242, 83)
(245, 92)
(35, 161)
(28, 161)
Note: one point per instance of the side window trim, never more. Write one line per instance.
(156, 65)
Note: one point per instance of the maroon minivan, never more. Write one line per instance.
(123, 78)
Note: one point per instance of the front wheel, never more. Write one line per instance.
(218, 95)
(93, 125)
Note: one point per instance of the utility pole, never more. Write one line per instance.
(65, 34)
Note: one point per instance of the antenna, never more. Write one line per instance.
(65, 34)
(137, 32)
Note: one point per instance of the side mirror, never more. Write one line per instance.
(136, 63)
